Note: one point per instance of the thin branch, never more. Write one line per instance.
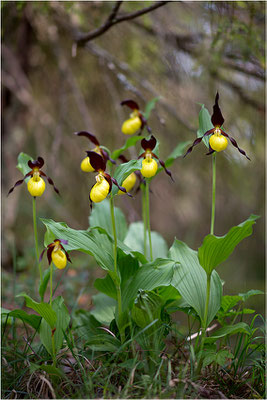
(112, 20)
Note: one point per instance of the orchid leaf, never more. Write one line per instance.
(62, 322)
(129, 143)
(135, 240)
(100, 216)
(205, 124)
(123, 171)
(43, 309)
(191, 281)
(216, 249)
(150, 106)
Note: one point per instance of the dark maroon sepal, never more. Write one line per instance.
(50, 181)
(41, 255)
(149, 144)
(131, 104)
(49, 253)
(97, 161)
(36, 163)
(120, 187)
(106, 156)
(217, 118)
(89, 136)
(234, 143)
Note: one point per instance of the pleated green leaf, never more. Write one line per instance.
(22, 165)
(148, 277)
(129, 143)
(84, 241)
(215, 249)
(43, 309)
(241, 327)
(62, 323)
(31, 319)
(123, 171)
(104, 308)
(96, 242)
(100, 216)
(191, 281)
(177, 152)
(135, 240)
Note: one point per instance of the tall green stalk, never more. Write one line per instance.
(213, 193)
(213, 202)
(51, 283)
(36, 238)
(144, 213)
(117, 283)
(148, 219)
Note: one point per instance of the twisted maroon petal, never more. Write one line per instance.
(49, 254)
(234, 143)
(89, 136)
(42, 254)
(19, 182)
(106, 156)
(168, 172)
(49, 181)
(120, 187)
(198, 140)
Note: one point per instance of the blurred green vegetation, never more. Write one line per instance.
(183, 52)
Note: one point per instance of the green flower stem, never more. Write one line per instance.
(144, 216)
(117, 284)
(53, 348)
(148, 219)
(36, 237)
(51, 283)
(213, 193)
(204, 327)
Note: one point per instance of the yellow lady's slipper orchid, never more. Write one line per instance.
(100, 190)
(131, 125)
(128, 183)
(59, 258)
(104, 181)
(57, 253)
(149, 167)
(36, 185)
(136, 122)
(86, 164)
(217, 140)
